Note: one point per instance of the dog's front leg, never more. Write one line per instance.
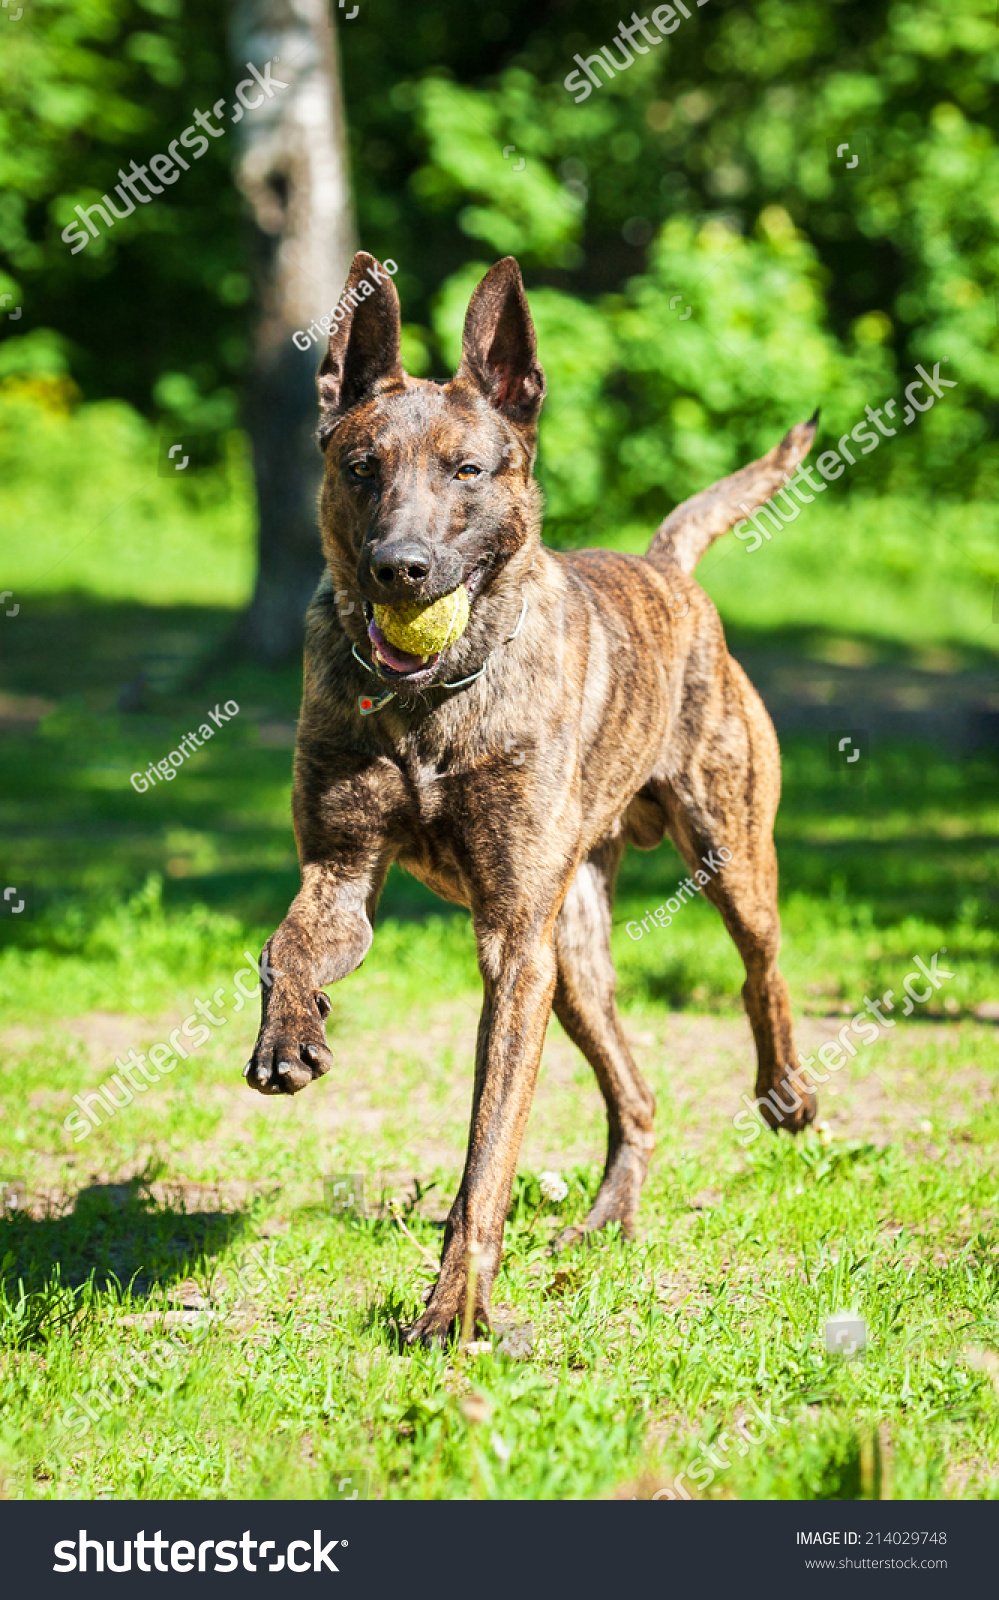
(519, 981)
(325, 935)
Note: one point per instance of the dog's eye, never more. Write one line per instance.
(467, 471)
(364, 469)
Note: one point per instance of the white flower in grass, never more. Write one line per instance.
(553, 1187)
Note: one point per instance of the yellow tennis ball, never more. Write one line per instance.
(424, 629)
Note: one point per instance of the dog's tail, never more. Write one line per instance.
(696, 523)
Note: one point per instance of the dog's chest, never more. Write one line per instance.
(431, 857)
(445, 788)
(438, 771)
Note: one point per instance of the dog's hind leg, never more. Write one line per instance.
(584, 1004)
(723, 799)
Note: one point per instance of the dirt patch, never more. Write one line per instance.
(104, 1034)
(699, 1067)
(399, 1100)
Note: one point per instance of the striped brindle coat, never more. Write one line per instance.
(590, 703)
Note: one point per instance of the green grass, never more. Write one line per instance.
(640, 1351)
(92, 515)
(643, 1353)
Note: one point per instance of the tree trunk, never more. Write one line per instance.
(292, 167)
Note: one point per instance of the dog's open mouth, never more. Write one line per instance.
(389, 659)
(393, 663)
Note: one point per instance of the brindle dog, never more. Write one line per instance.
(590, 703)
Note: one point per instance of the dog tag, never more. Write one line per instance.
(368, 703)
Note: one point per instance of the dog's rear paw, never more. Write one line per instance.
(287, 1059)
(569, 1237)
(432, 1329)
(440, 1324)
(789, 1105)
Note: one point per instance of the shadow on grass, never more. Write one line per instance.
(391, 1317)
(117, 1235)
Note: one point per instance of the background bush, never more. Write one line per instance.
(703, 170)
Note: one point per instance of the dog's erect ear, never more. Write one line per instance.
(363, 354)
(499, 346)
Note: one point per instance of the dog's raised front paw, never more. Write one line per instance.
(289, 1055)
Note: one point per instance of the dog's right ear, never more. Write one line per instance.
(363, 354)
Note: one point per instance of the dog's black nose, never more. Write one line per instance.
(405, 562)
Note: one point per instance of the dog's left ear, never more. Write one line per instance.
(499, 346)
(363, 354)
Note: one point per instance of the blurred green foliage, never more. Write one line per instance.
(82, 483)
(155, 311)
(702, 176)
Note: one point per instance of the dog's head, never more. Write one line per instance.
(428, 485)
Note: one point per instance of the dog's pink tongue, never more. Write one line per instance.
(398, 660)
